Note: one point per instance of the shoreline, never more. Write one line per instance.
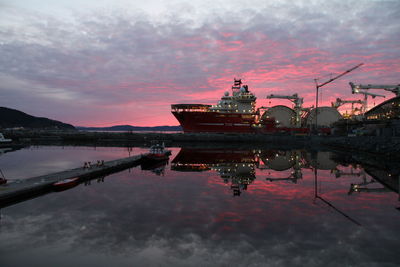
(376, 145)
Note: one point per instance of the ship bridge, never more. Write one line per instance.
(240, 101)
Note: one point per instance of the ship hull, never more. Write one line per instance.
(215, 122)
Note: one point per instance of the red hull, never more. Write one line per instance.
(65, 184)
(215, 122)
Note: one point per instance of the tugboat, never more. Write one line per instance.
(158, 153)
(65, 184)
(157, 157)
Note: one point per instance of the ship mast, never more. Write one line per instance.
(236, 83)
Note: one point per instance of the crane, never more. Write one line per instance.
(298, 102)
(317, 86)
(366, 94)
(340, 102)
(391, 88)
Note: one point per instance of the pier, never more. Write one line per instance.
(23, 189)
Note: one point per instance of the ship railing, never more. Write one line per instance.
(245, 96)
(190, 107)
(190, 110)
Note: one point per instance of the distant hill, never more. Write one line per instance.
(12, 118)
(131, 128)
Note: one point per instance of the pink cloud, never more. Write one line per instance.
(134, 76)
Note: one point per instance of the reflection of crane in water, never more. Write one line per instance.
(295, 161)
(339, 173)
(362, 186)
(293, 177)
(358, 188)
(317, 196)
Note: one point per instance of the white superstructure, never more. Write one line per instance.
(4, 140)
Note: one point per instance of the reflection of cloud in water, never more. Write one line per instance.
(191, 219)
(106, 244)
(35, 161)
(322, 160)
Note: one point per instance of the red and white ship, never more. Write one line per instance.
(235, 112)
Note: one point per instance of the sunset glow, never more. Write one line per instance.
(117, 63)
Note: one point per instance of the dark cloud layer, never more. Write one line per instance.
(126, 64)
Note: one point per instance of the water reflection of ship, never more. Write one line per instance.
(233, 165)
(238, 167)
(239, 174)
(157, 167)
(202, 159)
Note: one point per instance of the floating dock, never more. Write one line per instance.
(20, 190)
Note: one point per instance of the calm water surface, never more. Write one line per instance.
(207, 207)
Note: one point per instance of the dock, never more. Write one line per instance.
(24, 189)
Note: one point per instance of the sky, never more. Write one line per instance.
(107, 62)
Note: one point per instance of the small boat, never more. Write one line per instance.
(65, 184)
(4, 140)
(158, 152)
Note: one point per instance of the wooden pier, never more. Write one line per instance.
(20, 190)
